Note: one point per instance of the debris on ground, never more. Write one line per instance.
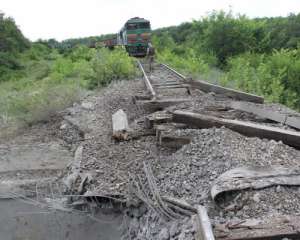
(163, 170)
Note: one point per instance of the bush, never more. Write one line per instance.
(226, 35)
(275, 76)
(27, 103)
(46, 86)
(188, 62)
(111, 65)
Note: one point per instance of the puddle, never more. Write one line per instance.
(20, 220)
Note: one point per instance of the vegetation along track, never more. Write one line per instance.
(180, 105)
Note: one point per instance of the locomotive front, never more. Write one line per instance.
(135, 36)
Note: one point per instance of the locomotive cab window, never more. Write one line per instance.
(144, 25)
(132, 26)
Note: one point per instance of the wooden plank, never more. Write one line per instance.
(268, 114)
(140, 97)
(253, 177)
(204, 229)
(163, 103)
(147, 81)
(159, 129)
(157, 118)
(293, 122)
(209, 87)
(249, 129)
(166, 84)
(275, 228)
(120, 125)
(174, 86)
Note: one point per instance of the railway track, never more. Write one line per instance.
(173, 98)
(164, 83)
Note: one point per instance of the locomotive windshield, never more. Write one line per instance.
(134, 26)
(144, 25)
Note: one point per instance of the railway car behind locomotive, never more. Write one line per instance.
(135, 36)
(110, 43)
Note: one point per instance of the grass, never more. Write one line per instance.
(46, 85)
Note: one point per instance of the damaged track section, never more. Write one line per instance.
(183, 173)
(158, 171)
(291, 138)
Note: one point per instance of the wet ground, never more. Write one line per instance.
(23, 220)
(31, 165)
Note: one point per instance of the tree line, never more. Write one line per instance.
(12, 43)
(260, 55)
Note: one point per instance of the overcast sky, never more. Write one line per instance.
(63, 19)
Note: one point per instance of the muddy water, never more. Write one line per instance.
(20, 220)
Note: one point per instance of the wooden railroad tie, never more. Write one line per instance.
(157, 118)
(196, 120)
(276, 228)
(291, 121)
(160, 104)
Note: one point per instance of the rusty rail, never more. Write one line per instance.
(147, 81)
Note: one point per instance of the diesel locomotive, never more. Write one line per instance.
(134, 36)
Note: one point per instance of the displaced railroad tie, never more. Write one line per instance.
(140, 97)
(275, 228)
(157, 118)
(203, 226)
(208, 87)
(268, 114)
(291, 138)
(254, 177)
(120, 125)
(167, 128)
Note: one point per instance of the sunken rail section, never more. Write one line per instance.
(208, 87)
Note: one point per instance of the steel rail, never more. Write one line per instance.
(147, 81)
(209, 87)
(204, 228)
